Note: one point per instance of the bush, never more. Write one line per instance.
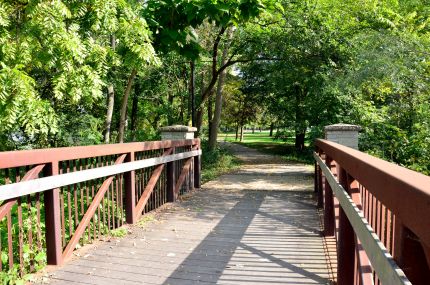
(216, 162)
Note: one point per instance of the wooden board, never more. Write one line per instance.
(245, 237)
(19, 189)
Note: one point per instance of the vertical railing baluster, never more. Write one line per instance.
(30, 229)
(318, 184)
(197, 169)
(130, 198)
(171, 181)
(9, 239)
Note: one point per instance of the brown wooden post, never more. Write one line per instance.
(329, 222)
(170, 176)
(191, 175)
(316, 177)
(320, 188)
(130, 195)
(318, 182)
(197, 170)
(409, 254)
(54, 250)
(346, 241)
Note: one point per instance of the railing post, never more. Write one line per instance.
(170, 176)
(320, 188)
(346, 241)
(316, 190)
(318, 183)
(54, 250)
(409, 254)
(130, 195)
(344, 134)
(179, 132)
(191, 174)
(329, 222)
(197, 169)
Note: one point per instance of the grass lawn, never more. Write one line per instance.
(263, 142)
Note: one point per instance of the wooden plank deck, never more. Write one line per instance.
(256, 226)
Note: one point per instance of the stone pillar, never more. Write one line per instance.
(177, 132)
(343, 134)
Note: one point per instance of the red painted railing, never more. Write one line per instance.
(392, 213)
(54, 200)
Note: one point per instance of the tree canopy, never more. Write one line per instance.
(88, 72)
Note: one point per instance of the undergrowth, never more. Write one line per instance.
(217, 162)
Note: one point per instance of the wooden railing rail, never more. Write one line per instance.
(382, 223)
(87, 192)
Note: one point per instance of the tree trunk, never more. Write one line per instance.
(200, 107)
(208, 91)
(241, 133)
(218, 102)
(182, 111)
(111, 101)
(134, 111)
(199, 121)
(210, 117)
(170, 114)
(300, 130)
(237, 131)
(253, 129)
(124, 106)
(300, 140)
(192, 96)
(271, 130)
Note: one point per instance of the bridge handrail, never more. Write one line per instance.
(395, 201)
(88, 191)
(10, 159)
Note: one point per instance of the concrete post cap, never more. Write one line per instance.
(342, 127)
(178, 129)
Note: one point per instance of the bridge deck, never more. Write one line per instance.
(256, 226)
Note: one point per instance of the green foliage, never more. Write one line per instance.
(55, 61)
(216, 162)
(147, 218)
(388, 81)
(119, 233)
(32, 255)
(173, 22)
(364, 62)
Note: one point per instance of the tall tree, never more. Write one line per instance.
(213, 135)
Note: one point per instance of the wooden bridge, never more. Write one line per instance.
(136, 213)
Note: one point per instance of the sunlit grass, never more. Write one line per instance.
(263, 142)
